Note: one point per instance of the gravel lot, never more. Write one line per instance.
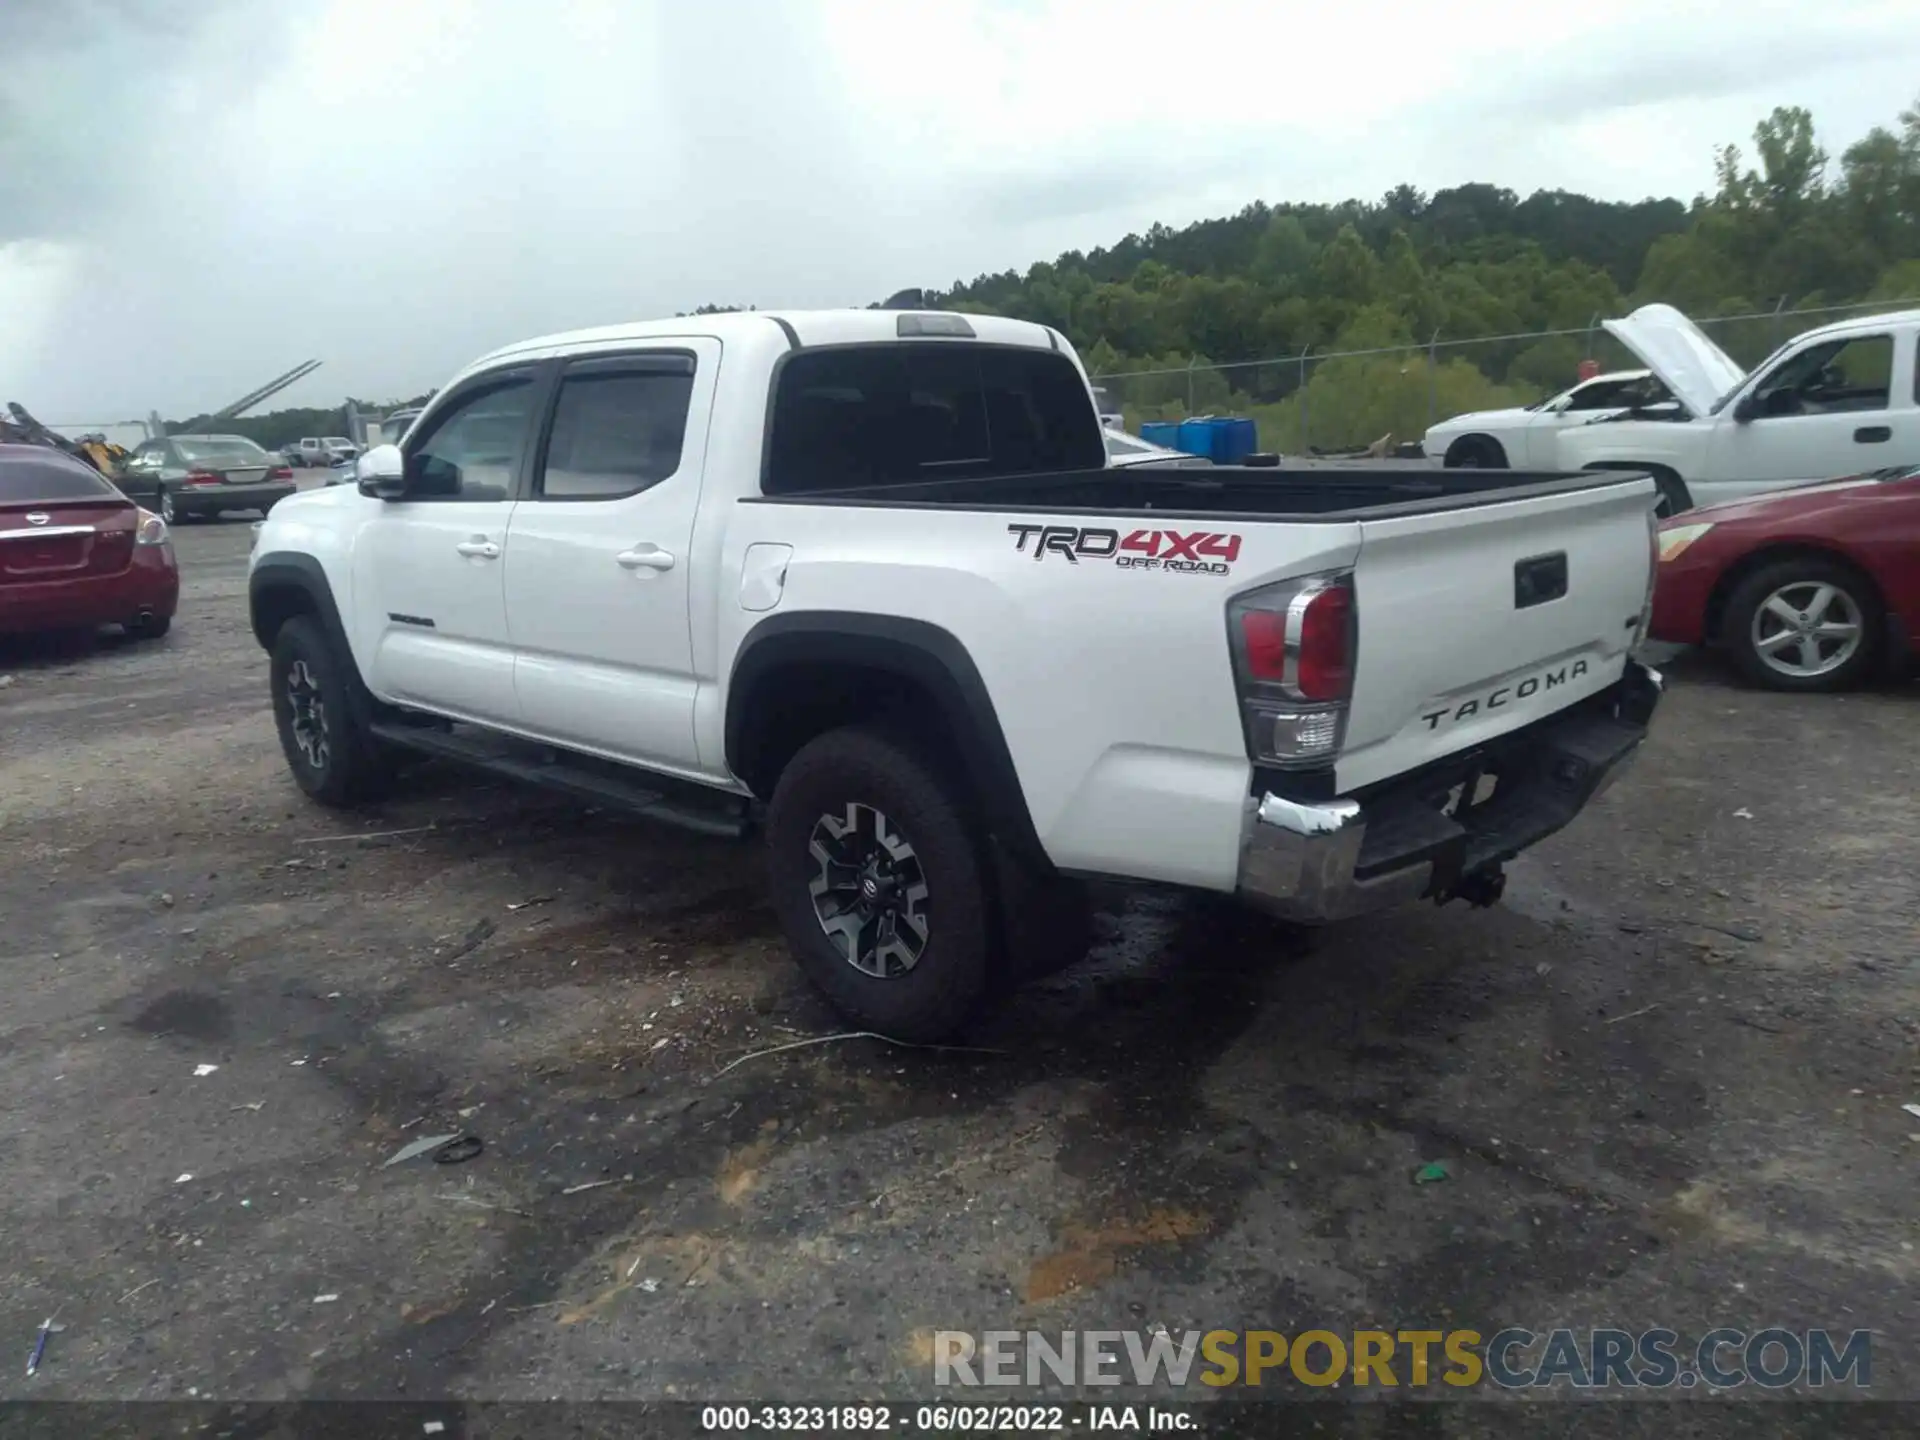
(1666, 1076)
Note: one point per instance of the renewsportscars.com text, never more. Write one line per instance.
(1514, 1358)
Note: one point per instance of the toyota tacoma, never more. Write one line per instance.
(864, 581)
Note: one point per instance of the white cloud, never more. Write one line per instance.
(396, 188)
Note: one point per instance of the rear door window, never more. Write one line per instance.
(892, 413)
(50, 478)
(618, 427)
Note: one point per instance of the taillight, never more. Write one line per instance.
(202, 477)
(1265, 634)
(152, 529)
(1293, 658)
(281, 472)
(1326, 645)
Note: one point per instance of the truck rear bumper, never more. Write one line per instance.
(1421, 835)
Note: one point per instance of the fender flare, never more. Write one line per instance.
(281, 571)
(925, 654)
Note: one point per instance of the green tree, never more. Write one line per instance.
(1284, 253)
(1347, 272)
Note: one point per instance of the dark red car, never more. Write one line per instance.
(75, 553)
(1805, 589)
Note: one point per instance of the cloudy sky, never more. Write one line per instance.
(198, 194)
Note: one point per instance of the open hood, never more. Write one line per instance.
(1695, 369)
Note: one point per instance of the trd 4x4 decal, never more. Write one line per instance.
(1193, 552)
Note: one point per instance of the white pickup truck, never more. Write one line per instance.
(864, 579)
(1840, 400)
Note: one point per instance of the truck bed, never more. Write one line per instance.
(1303, 492)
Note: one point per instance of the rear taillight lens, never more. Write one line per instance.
(1326, 645)
(152, 530)
(1293, 649)
(202, 477)
(281, 472)
(1264, 634)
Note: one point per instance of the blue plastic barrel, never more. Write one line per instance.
(1196, 436)
(1161, 432)
(1223, 439)
(1234, 440)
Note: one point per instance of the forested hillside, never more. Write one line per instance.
(1784, 224)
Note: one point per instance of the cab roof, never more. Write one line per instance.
(1861, 324)
(802, 328)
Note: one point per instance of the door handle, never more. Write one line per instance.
(479, 548)
(645, 557)
(1873, 434)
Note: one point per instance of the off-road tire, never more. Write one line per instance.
(886, 774)
(353, 767)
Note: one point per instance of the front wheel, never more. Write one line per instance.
(876, 875)
(329, 752)
(1804, 624)
(1476, 452)
(165, 507)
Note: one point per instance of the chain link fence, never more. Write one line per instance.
(1343, 398)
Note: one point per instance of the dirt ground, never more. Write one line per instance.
(1665, 1075)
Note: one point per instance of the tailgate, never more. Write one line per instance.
(1479, 620)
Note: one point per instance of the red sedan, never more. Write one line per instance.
(1807, 589)
(75, 553)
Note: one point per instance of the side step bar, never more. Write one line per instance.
(580, 776)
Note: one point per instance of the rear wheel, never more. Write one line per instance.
(877, 878)
(329, 752)
(1806, 624)
(166, 511)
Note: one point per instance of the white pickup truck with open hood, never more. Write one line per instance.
(866, 581)
(1839, 400)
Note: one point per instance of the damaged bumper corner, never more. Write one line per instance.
(1312, 862)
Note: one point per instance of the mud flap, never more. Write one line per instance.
(1046, 921)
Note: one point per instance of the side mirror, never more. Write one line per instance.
(382, 473)
(1745, 408)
